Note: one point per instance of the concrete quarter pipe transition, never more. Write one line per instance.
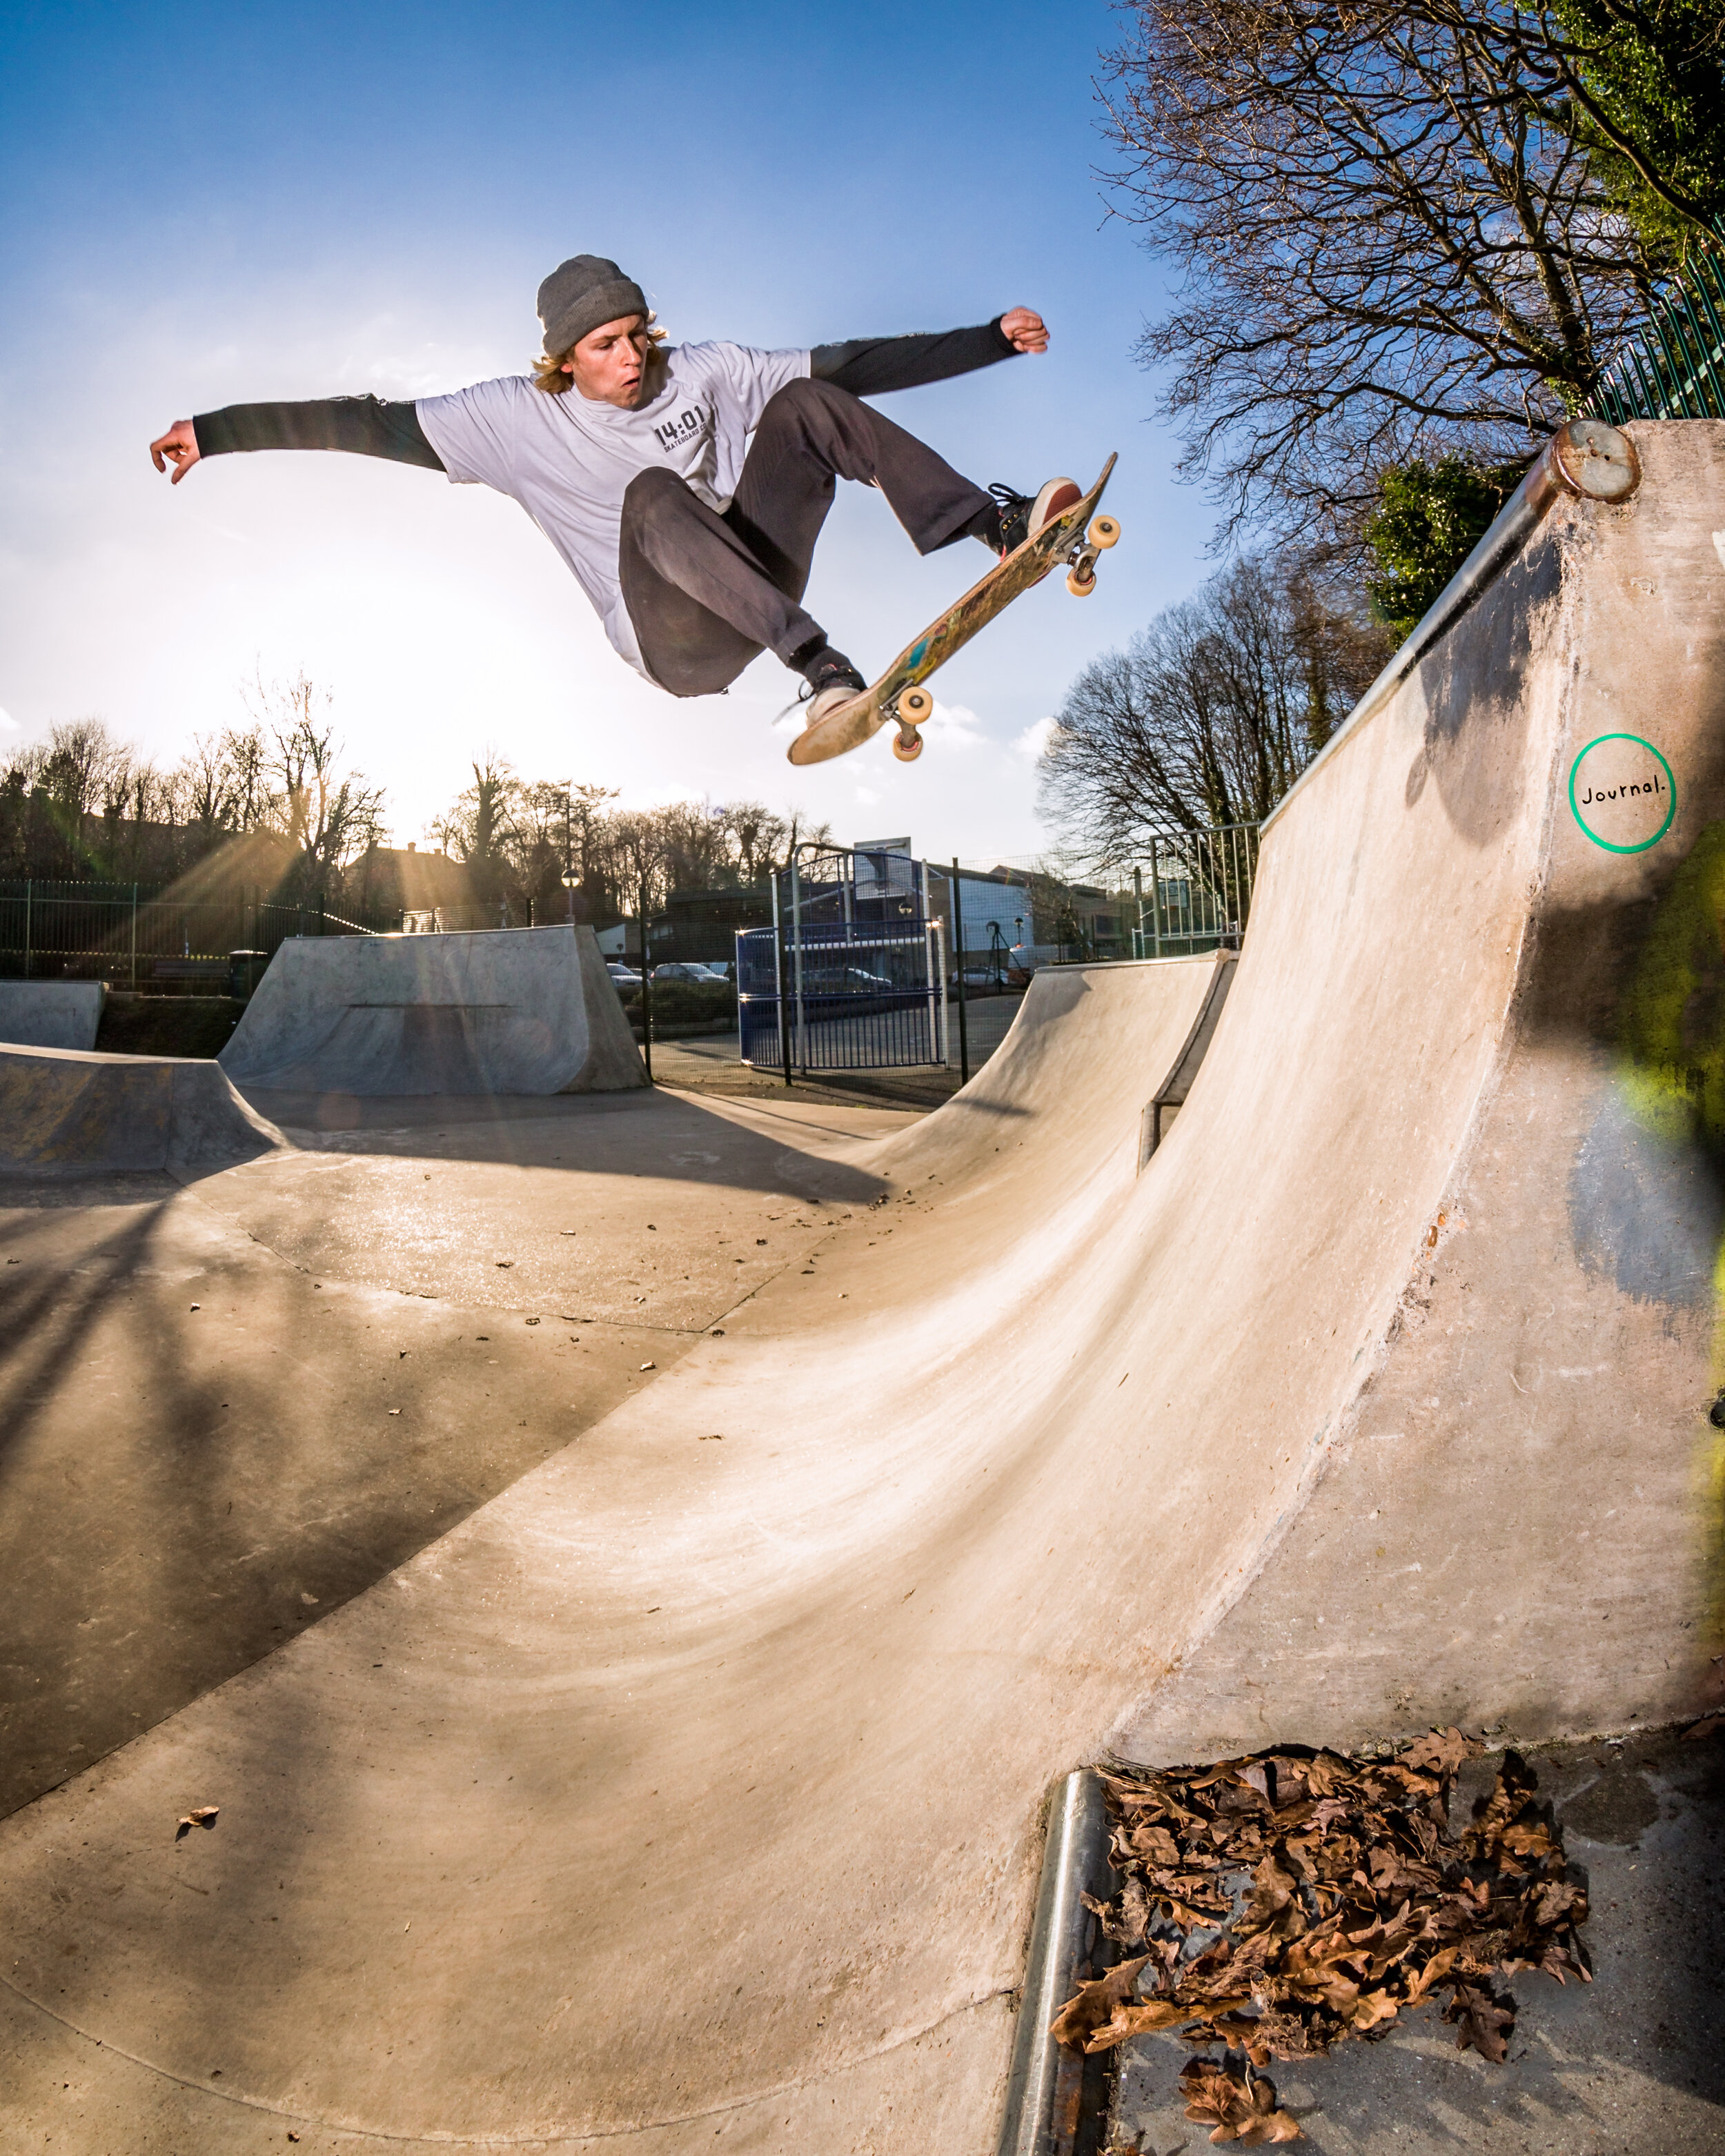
(685, 1794)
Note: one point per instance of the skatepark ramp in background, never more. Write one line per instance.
(685, 1796)
(62, 1110)
(509, 1010)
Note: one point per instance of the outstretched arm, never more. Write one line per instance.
(868, 366)
(365, 426)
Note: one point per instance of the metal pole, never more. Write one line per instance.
(1138, 894)
(797, 965)
(1044, 2084)
(646, 985)
(781, 975)
(134, 938)
(29, 888)
(1155, 899)
(959, 953)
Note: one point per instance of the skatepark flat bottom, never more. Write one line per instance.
(230, 1408)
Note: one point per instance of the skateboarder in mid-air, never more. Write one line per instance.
(684, 485)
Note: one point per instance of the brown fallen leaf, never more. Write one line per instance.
(1215, 2097)
(205, 1816)
(1139, 2020)
(1095, 2003)
(1483, 2023)
(1155, 1845)
(1442, 1752)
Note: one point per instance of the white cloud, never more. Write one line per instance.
(956, 724)
(864, 796)
(9, 722)
(1035, 738)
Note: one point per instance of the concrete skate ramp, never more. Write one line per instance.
(62, 1111)
(514, 1010)
(51, 1013)
(687, 1795)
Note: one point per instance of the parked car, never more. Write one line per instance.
(686, 969)
(624, 976)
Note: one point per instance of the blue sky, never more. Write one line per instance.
(207, 205)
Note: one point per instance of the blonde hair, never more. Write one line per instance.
(548, 373)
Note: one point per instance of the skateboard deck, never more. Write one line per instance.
(898, 697)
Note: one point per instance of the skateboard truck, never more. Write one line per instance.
(910, 708)
(1081, 577)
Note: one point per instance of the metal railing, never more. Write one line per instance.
(1198, 894)
(133, 935)
(851, 976)
(1675, 369)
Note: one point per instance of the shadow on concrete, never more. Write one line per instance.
(202, 1450)
(647, 1133)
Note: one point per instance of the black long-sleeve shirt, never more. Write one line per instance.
(379, 427)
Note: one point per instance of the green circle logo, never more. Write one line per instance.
(1622, 793)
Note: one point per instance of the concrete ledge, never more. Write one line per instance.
(51, 1013)
(512, 1010)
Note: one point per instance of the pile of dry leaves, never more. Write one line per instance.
(1278, 1903)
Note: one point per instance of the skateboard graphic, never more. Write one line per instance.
(898, 697)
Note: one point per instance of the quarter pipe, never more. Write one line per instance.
(687, 1793)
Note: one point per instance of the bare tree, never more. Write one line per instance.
(326, 814)
(78, 769)
(526, 830)
(207, 788)
(1207, 718)
(759, 837)
(1391, 242)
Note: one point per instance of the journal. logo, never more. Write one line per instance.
(1622, 793)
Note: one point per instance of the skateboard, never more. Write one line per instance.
(898, 697)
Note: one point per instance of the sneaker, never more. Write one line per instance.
(1023, 516)
(831, 679)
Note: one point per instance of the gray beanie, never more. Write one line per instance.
(582, 293)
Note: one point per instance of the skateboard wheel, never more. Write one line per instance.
(916, 704)
(1104, 531)
(1080, 581)
(907, 747)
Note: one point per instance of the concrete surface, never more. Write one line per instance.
(78, 1113)
(51, 1013)
(685, 1792)
(216, 1430)
(514, 1010)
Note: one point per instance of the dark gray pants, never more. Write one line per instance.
(707, 592)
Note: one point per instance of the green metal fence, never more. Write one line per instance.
(1674, 369)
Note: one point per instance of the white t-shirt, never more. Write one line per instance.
(568, 459)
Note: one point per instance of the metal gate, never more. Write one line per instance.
(852, 974)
